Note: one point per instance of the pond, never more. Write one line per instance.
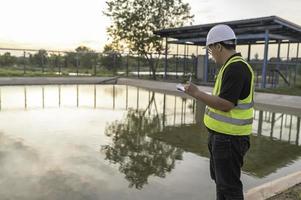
(121, 142)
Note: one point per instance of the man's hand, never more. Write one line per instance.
(210, 100)
(191, 89)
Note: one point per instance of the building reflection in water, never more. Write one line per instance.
(157, 128)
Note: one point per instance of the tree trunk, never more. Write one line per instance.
(154, 73)
(152, 66)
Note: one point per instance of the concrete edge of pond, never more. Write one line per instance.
(263, 101)
(10, 81)
(274, 187)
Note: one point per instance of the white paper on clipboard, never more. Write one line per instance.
(180, 87)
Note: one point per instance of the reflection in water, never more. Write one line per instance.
(176, 110)
(265, 156)
(137, 153)
(27, 175)
(158, 128)
(284, 127)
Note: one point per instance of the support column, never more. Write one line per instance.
(288, 52)
(287, 74)
(206, 66)
(195, 63)
(278, 64)
(279, 49)
(249, 52)
(166, 63)
(188, 59)
(265, 60)
(296, 69)
(298, 50)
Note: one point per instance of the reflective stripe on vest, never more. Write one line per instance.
(245, 106)
(228, 119)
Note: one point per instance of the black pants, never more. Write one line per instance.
(226, 159)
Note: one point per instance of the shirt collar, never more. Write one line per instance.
(236, 54)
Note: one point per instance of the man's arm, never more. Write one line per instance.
(232, 85)
(210, 100)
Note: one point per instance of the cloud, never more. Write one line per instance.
(65, 24)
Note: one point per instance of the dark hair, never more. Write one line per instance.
(229, 45)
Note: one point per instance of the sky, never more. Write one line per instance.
(66, 24)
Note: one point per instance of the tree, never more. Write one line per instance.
(138, 154)
(7, 59)
(40, 58)
(87, 57)
(83, 57)
(56, 61)
(134, 22)
(111, 59)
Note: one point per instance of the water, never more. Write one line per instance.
(120, 142)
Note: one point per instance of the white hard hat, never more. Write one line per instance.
(220, 33)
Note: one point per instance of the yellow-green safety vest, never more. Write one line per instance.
(237, 121)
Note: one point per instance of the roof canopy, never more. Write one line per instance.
(248, 31)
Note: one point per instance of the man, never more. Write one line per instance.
(229, 112)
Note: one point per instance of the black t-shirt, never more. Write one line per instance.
(236, 81)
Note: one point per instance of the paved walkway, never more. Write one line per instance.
(265, 101)
(273, 188)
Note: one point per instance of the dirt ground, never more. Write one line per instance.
(293, 193)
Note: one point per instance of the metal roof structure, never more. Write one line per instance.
(255, 31)
(248, 31)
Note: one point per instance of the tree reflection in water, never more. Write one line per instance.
(138, 154)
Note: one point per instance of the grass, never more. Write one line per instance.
(15, 72)
(19, 73)
(295, 91)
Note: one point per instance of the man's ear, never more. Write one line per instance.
(219, 47)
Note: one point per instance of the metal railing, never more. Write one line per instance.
(32, 62)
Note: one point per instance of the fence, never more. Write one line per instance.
(30, 62)
(279, 73)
